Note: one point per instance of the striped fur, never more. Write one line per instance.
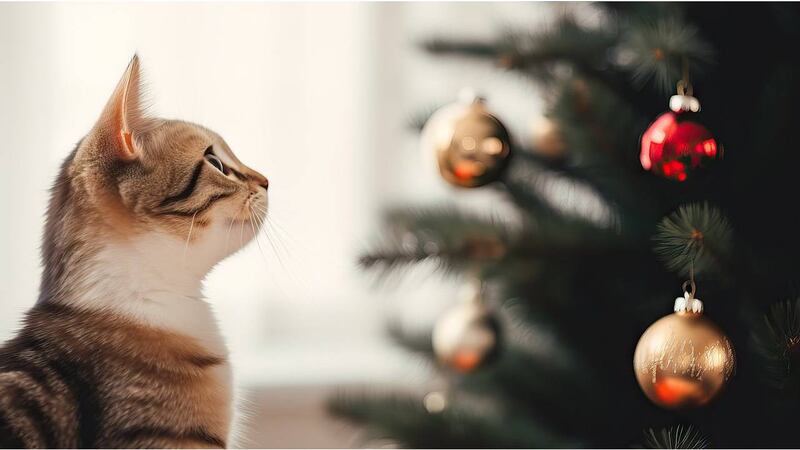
(121, 349)
(77, 378)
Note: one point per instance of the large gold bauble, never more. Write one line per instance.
(683, 360)
(466, 337)
(470, 145)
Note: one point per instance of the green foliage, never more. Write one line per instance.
(450, 238)
(565, 44)
(697, 236)
(579, 260)
(675, 437)
(417, 342)
(543, 55)
(777, 341)
(661, 48)
(403, 417)
(471, 48)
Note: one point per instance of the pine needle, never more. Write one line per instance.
(697, 235)
(675, 437)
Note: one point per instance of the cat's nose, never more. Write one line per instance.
(259, 179)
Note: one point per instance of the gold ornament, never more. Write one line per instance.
(683, 360)
(471, 146)
(466, 337)
(547, 138)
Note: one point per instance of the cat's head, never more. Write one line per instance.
(166, 188)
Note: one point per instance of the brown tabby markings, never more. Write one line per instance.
(89, 379)
(121, 350)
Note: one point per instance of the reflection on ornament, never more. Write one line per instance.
(471, 147)
(684, 359)
(492, 146)
(671, 391)
(673, 146)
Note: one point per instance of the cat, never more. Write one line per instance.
(121, 349)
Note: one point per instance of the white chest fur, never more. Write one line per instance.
(151, 281)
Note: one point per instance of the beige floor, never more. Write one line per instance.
(295, 417)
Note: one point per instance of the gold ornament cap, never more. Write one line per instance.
(688, 304)
(684, 103)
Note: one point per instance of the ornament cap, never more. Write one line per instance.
(683, 103)
(688, 304)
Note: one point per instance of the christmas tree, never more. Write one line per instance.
(625, 206)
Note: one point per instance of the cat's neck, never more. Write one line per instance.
(152, 281)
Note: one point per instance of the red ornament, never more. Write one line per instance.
(673, 145)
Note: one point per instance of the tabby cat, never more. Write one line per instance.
(121, 349)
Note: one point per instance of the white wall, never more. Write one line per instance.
(316, 96)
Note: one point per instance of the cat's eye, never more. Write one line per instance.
(215, 161)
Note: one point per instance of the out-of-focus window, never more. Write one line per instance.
(317, 97)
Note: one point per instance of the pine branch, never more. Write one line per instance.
(675, 437)
(541, 54)
(463, 47)
(454, 240)
(697, 235)
(658, 48)
(451, 238)
(548, 192)
(403, 417)
(600, 130)
(419, 342)
(565, 42)
(777, 342)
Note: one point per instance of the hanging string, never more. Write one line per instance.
(475, 283)
(690, 282)
(684, 86)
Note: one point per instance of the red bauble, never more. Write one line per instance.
(674, 146)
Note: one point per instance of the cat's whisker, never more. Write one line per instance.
(188, 236)
(230, 225)
(259, 222)
(255, 236)
(280, 238)
(228, 234)
(274, 249)
(280, 234)
(295, 278)
(263, 218)
(241, 234)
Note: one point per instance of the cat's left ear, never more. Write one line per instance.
(124, 122)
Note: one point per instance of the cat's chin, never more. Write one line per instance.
(240, 232)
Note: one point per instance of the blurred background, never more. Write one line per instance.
(318, 97)
(498, 301)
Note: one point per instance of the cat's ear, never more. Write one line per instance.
(124, 122)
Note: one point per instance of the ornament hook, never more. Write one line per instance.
(684, 86)
(692, 285)
(684, 100)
